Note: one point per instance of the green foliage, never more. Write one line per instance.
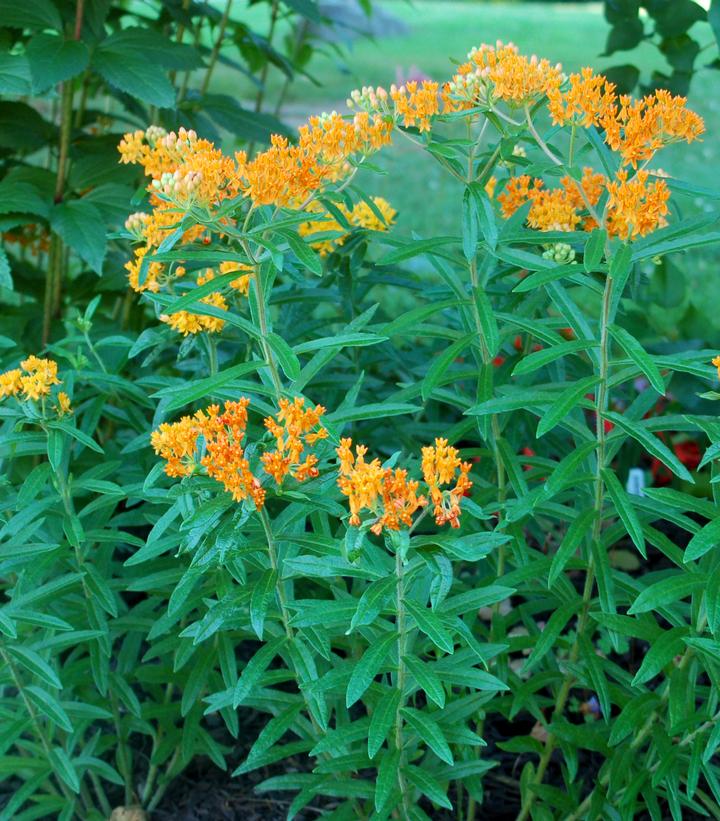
(567, 623)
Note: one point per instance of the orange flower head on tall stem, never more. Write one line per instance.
(295, 428)
(441, 465)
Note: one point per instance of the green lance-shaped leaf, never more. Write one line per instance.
(639, 356)
(624, 508)
(660, 653)
(632, 716)
(437, 370)
(368, 667)
(49, 706)
(429, 786)
(429, 731)
(568, 467)
(539, 359)
(668, 591)
(568, 399)
(651, 443)
(431, 625)
(704, 540)
(35, 664)
(262, 596)
(383, 718)
(372, 601)
(594, 666)
(387, 778)
(594, 250)
(470, 228)
(254, 670)
(304, 253)
(275, 729)
(285, 355)
(65, 769)
(570, 543)
(620, 267)
(426, 678)
(554, 627)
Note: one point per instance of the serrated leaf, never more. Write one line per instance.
(53, 60)
(82, 228)
(123, 67)
(368, 667)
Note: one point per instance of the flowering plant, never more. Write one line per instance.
(456, 588)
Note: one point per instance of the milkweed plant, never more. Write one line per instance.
(377, 488)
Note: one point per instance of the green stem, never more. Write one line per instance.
(401, 650)
(601, 402)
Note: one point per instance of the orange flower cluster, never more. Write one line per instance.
(638, 128)
(32, 380)
(413, 104)
(500, 72)
(636, 207)
(293, 427)
(361, 215)
(287, 175)
(440, 466)
(386, 493)
(588, 100)
(212, 440)
(556, 209)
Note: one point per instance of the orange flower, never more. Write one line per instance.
(500, 72)
(636, 207)
(385, 493)
(589, 98)
(716, 363)
(221, 435)
(10, 383)
(416, 105)
(361, 215)
(294, 427)
(638, 128)
(440, 465)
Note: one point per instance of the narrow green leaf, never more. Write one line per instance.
(49, 706)
(429, 731)
(625, 509)
(383, 718)
(704, 540)
(31, 661)
(539, 359)
(65, 769)
(441, 363)
(667, 591)
(387, 778)
(570, 543)
(431, 625)
(304, 253)
(594, 250)
(423, 781)
(254, 670)
(567, 401)
(285, 355)
(368, 667)
(660, 653)
(552, 630)
(639, 356)
(426, 678)
(372, 601)
(651, 443)
(262, 596)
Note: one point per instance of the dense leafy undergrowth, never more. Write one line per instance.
(428, 517)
